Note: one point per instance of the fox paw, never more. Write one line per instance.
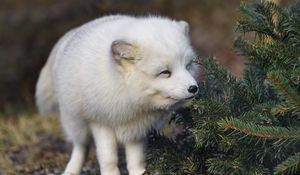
(137, 172)
(67, 173)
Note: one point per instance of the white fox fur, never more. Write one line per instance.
(114, 78)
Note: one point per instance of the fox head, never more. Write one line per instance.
(157, 64)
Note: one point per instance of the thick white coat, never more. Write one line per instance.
(85, 81)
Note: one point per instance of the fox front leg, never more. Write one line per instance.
(107, 149)
(135, 157)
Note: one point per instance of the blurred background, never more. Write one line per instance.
(29, 29)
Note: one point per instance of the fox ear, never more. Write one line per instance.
(185, 27)
(123, 50)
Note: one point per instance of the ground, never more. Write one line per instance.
(31, 144)
(35, 145)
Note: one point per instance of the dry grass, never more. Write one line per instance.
(34, 145)
(25, 129)
(29, 143)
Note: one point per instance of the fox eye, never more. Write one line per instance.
(188, 66)
(165, 74)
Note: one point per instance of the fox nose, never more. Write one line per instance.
(193, 89)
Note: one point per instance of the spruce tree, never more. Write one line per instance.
(249, 125)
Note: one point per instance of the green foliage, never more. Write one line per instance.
(251, 125)
(289, 166)
(252, 129)
(219, 166)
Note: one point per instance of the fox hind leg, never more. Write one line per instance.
(77, 132)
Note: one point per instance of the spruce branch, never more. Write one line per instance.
(234, 167)
(226, 82)
(219, 166)
(263, 19)
(283, 86)
(289, 166)
(253, 129)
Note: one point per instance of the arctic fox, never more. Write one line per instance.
(112, 79)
